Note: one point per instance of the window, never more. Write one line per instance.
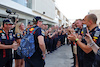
(27, 3)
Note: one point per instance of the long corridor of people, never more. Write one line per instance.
(50, 39)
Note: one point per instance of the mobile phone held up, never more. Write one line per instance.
(84, 29)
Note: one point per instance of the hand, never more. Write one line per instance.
(80, 37)
(44, 56)
(15, 45)
(71, 31)
(88, 38)
(72, 37)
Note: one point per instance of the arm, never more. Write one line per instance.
(50, 36)
(13, 46)
(42, 44)
(2, 46)
(94, 47)
(84, 47)
(91, 43)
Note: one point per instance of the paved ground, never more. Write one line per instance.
(60, 57)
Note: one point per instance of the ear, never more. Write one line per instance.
(90, 21)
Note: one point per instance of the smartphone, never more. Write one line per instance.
(84, 29)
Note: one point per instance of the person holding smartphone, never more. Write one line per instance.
(89, 56)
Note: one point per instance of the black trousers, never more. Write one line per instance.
(34, 63)
(6, 62)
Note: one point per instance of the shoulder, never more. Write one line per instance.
(39, 29)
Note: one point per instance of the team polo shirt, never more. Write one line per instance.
(6, 40)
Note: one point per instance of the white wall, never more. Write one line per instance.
(47, 6)
(28, 13)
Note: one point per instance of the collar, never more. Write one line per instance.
(94, 29)
(35, 26)
(4, 31)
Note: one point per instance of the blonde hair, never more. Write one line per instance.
(17, 29)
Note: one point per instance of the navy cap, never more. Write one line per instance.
(30, 23)
(7, 21)
(34, 20)
(38, 19)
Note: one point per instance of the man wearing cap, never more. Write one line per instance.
(7, 43)
(30, 24)
(37, 59)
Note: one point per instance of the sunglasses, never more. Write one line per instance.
(9, 24)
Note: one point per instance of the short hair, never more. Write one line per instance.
(79, 19)
(92, 17)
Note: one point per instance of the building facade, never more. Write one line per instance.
(27, 9)
(60, 18)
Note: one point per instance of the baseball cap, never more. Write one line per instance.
(34, 20)
(38, 18)
(30, 23)
(7, 21)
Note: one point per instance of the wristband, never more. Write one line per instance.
(91, 44)
(76, 40)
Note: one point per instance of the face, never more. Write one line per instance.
(43, 26)
(50, 30)
(22, 26)
(57, 27)
(79, 23)
(46, 26)
(8, 26)
(73, 25)
(85, 21)
(40, 23)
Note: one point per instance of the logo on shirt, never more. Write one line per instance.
(0, 31)
(18, 35)
(3, 36)
(10, 36)
(31, 29)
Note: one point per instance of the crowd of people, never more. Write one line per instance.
(83, 35)
(46, 39)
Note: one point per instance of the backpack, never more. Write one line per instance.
(27, 46)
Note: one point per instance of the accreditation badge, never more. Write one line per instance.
(3, 36)
(97, 33)
(18, 35)
(10, 36)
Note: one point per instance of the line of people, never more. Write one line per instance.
(54, 38)
(11, 35)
